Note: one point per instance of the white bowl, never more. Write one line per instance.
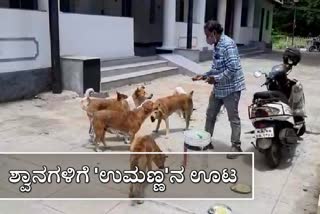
(197, 138)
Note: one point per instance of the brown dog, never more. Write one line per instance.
(166, 106)
(121, 103)
(126, 122)
(92, 104)
(144, 162)
(134, 101)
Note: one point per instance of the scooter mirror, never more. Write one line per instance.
(257, 74)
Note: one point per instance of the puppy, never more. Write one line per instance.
(91, 105)
(126, 122)
(165, 106)
(144, 161)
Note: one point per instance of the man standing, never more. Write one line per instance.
(228, 79)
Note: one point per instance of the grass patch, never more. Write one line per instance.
(282, 42)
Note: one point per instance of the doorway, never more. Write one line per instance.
(261, 24)
(148, 27)
(229, 18)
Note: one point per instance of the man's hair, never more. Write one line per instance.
(213, 26)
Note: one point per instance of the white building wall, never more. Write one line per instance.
(83, 35)
(251, 33)
(23, 24)
(96, 36)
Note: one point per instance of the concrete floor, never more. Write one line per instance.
(55, 123)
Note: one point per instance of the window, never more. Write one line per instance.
(20, 4)
(268, 20)
(244, 13)
(257, 14)
(126, 8)
(212, 10)
(97, 7)
(179, 10)
(65, 6)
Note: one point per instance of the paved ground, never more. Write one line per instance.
(56, 123)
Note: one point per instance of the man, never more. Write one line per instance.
(228, 79)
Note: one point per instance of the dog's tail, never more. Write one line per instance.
(85, 101)
(180, 90)
(89, 92)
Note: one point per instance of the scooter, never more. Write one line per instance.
(278, 114)
(315, 45)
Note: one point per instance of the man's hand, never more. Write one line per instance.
(197, 78)
(210, 80)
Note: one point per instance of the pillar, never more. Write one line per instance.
(169, 25)
(200, 14)
(190, 24)
(55, 46)
(222, 9)
(251, 9)
(237, 20)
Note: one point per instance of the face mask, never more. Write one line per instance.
(211, 40)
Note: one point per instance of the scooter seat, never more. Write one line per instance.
(270, 95)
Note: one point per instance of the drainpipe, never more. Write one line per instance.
(190, 23)
(55, 46)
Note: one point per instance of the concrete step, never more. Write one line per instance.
(126, 60)
(252, 53)
(136, 77)
(128, 68)
(246, 49)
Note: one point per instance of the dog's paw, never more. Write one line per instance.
(97, 149)
(155, 131)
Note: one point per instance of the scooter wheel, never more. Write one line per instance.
(273, 155)
(312, 48)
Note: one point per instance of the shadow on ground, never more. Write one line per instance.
(260, 162)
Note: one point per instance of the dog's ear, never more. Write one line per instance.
(136, 92)
(118, 96)
(191, 94)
